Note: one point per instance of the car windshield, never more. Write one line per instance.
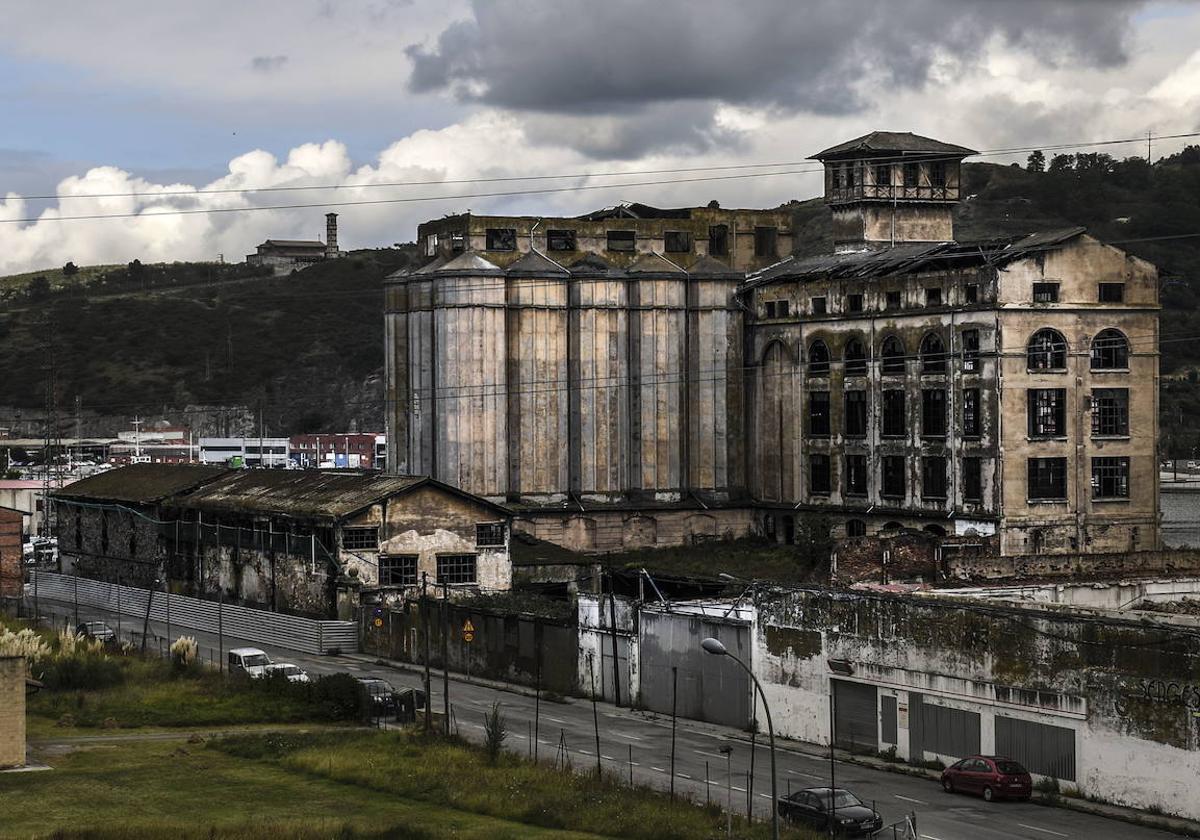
(1010, 768)
(378, 687)
(255, 661)
(286, 669)
(842, 799)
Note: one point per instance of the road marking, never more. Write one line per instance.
(607, 757)
(627, 735)
(658, 770)
(765, 795)
(740, 789)
(910, 799)
(1043, 830)
(929, 837)
(556, 720)
(707, 754)
(683, 775)
(809, 775)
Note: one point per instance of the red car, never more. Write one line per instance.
(991, 776)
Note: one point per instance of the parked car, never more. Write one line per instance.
(990, 776)
(96, 630)
(293, 673)
(381, 693)
(848, 815)
(250, 661)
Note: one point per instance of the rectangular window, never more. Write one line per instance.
(1047, 479)
(622, 240)
(360, 539)
(893, 301)
(971, 293)
(818, 413)
(560, 240)
(765, 241)
(781, 308)
(854, 303)
(972, 478)
(912, 174)
(883, 175)
(458, 241)
(970, 351)
(1047, 412)
(855, 405)
(818, 306)
(489, 535)
(893, 477)
(818, 473)
(456, 568)
(431, 244)
(933, 412)
(718, 241)
(1110, 478)
(894, 421)
(937, 173)
(1110, 412)
(856, 475)
(1112, 292)
(677, 241)
(769, 308)
(972, 426)
(1045, 293)
(501, 239)
(933, 297)
(398, 570)
(933, 477)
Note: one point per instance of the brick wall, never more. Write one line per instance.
(10, 553)
(12, 711)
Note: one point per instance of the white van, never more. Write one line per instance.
(250, 661)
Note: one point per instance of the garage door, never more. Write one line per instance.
(940, 729)
(1042, 748)
(855, 716)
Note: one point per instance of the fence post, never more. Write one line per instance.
(118, 606)
(674, 695)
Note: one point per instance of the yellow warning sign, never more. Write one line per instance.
(468, 631)
(379, 622)
(468, 637)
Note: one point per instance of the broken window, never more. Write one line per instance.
(972, 473)
(894, 421)
(933, 354)
(854, 303)
(818, 306)
(769, 308)
(1110, 351)
(970, 351)
(1112, 292)
(677, 241)
(501, 239)
(856, 358)
(856, 528)
(1110, 412)
(431, 244)
(892, 353)
(398, 570)
(971, 293)
(818, 413)
(360, 539)
(1045, 293)
(933, 412)
(912, 174)
(1047, 479)
(765, 241)
(781, 308)
(933, 477)
(892, 486)
(458, 241)
(1110, 478)
(972, 425)
(818, 473)
(892, 301)
(489, 534)
(718, 241)
(622, 240)
(856, 475)
(1047, 412)
(933, 297)
(456, 568)
(937, 173)
(883, 175)
(1047, 350)
(852, 175)
(560, 240)
(855, 405)
(818, 359)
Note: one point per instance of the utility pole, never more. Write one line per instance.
(78, 431)
(425, 636)
(612, 620)
(446, 654)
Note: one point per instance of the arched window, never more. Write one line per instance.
(935, 530)
(933, 354)
(818, 359)
(856, 528)
(1110, 351)
(856, 358)
(1047, 350)
(893, 355)
(892, 526)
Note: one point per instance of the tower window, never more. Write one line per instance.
(766, 241)
(622, 240)
(818, 413)
(912, 174)
(972, 473)
(560, 240)
(501, 239)
(892, 486)
(677, 241)
(1047, 412)
(856, 475)
(893, 414)
(856, 413)
(718, 241)
(818, 474)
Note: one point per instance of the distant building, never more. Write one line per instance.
(245, 451)
(283, 255)
(345, 451)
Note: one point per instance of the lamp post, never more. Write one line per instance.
(727, 751)
(716, 648)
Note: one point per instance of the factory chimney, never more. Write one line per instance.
(331, 243)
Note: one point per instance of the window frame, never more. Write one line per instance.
(893, 301)
(1117, 468)
(972, 413)
(621, 236)
(891, 364)
(718, 240)
(819, 305)
(556, 237)
(929, 411)
(855, 302)
(1103, 288)
(972, 479)
(890, 414)
(1118, 353)
(969, 339)
(456, 562)
(1043, 489)
(929, 465)
(933, 362)
(824, 428)
(1045, 292)
(677, 238)
(856, 405)
(856, 474)
(1044, 350)
(857, 364)
(819, 366)
(1046, 413)
(1114, 416)
(820, 466)
(766, 241)
(357, 531)
(395, 565)
(895, 468)
(496, 239)
(481, 528)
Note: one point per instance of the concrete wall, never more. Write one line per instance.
(12, 711)
(1085, 566)
(613, 530)
(595, 627)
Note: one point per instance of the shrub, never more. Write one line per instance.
(183, 653)
(339, 697)
(494, 733)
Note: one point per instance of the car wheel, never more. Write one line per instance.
(988, 795)
(947, 785)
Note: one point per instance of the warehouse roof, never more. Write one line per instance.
(140, 483)
(903, 142)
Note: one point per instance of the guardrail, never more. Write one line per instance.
(273, 629)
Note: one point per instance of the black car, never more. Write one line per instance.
(849, 814)
(382, 695)
(96, 630)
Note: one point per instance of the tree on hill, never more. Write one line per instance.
(70, 269)
(1036, 162)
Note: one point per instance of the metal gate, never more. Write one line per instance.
(606, 667)
(940, 729)
(1042, 748)
(855, 716)
(711, 688)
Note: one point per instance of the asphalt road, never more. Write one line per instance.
(640, 743)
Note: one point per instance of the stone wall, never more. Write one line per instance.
(12, 711)
(1117, 564)
(11, 575)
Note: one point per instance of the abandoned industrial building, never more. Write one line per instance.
(305, 542)
(284, 255)
(640, 376)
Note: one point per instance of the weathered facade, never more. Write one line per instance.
(12, 711)
(646, 377)
(11, 572)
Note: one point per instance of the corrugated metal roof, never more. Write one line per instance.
(141, 483)
(593, 265)
(653, 263)
(708, 266)
(534, 263)
(295, 243)
(469, 262)
(903, 142)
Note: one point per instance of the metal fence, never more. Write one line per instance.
(268, 628)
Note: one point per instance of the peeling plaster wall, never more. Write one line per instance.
(595, 643)
(615, 530)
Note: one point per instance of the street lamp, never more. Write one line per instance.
(716, 648)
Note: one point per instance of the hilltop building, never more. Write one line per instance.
(284, 255)
(640, 376)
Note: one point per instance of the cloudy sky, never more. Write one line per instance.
(184, 104)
